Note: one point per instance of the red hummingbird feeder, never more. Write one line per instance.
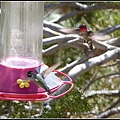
(21, 46)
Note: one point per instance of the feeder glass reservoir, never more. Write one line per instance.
(21, 30)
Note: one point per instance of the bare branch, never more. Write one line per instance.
(109, 29)
(111, 64)
(54, 6)
(91, 81)
(52, 26)
(89, 55)
(114, 41)
(87, 9)
(66, 16)
(47, 32)
(113, 104)
(54, 48)
(99, 5)
(105, 76)
(105, 92)
(102, 45)
(109, 113)
(96, 61)
(62, 38)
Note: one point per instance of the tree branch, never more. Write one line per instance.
(109, 113)
(94, 80)
(54, 48)
(109, 30)
(114, 41)
(62, 38)
(52, 26)
(106, 92)
(84, 67)
(102, 45)
(113, 104)
(54, 6)
(87, 9)
(47, 32)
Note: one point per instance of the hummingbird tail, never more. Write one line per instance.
(90, 45)
(47, 89)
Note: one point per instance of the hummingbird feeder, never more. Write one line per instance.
(21, 52)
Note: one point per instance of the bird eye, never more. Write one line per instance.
(29, 74)
(84, 26)
(80, 26)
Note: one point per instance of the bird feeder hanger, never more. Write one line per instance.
(21, 46)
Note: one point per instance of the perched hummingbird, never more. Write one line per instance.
(39, 78)
(87, 35)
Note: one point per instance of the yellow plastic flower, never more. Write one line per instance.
(26, 84)
(23, 83)
(19, 81)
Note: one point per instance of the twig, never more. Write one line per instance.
(47, 32)
(9, 103)
(112, 64)
(62, 38)
(109, 113)
(102, 45)
(54, 48)
(113, 104)
(109, 30)
(88, 9)
(97, 6)
(66, 16)
(91, 54)
(105, 76)
(52, 26)
(55, 6)
(91, 80)
(105, 92)
(114, 41)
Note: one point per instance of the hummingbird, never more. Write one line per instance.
(38, 78)
(87, 35)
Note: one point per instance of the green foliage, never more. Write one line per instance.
(73, 103)
(18, 109)
(65, 55)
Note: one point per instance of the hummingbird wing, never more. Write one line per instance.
(50, 69)
(98, 36)
(70, 30)
(92, 35)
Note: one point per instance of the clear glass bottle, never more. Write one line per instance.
(21, 31)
